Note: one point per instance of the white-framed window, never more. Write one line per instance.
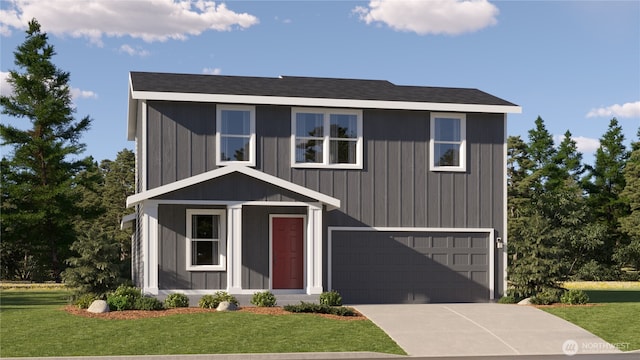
(206, 240)
(326, 138)
(235, 135)
(447, 146)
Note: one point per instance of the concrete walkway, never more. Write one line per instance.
(482, 329)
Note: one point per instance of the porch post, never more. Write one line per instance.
(150, 246)
(314, 249)
(234, 249)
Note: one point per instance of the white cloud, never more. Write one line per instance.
(584, 144)
(149, 20)
(626, 110)
(137, 51)
(5, 88)
(451, 17)
(82, 94)
(212, 71)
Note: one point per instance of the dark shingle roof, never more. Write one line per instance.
(308, 87)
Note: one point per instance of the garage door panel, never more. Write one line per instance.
(390, 267)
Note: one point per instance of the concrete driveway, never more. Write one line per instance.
(482, 329)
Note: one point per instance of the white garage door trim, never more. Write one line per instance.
(489, 231)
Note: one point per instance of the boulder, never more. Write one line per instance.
(227, 306)
(526, 301)
(98, 307)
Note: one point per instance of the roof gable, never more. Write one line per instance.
(161, 191)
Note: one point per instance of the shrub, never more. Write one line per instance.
(176, 300)
(574, 297)
(119, 303)
(149, 303)
(305, 307)
(508, 299)
(85, 300)
(212, 301)
(547, 296)
(263, 299)
(123, 298)
(331, 298)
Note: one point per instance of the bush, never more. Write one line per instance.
(547, 296)
(263, 299)
(176, 300)
(508, 299)
(305, 307)
(123, 298)
(149, 303)
(212, 301)
(119, 303)
(331, 298)
(85, 300)
(594, 271)
(574, 297)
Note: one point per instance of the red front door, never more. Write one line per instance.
(288, 252)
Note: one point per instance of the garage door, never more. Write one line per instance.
(410, 267)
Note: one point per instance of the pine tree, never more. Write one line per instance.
(606, 182)
(39, 201)
(630, 224)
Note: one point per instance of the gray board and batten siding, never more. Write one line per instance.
(394, 189)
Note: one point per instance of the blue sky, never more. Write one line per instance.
(574, 63)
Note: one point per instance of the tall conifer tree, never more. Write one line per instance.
(39, 202)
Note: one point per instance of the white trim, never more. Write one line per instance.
(252, 134)
(326, 138)
(150, 246)
(222, 240)
(144, 160)
(127, 221)
(304, 251)
(505, 205)
(324, 102)
(463, 142)
(234, 239)
(314, 252)
(331, 202)
(491, 245)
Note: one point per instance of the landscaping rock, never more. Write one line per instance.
(227, 306)
(98, 307)
(526, 301)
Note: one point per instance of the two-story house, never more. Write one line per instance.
(299, 185)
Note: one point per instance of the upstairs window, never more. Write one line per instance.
(235, 135)
(205, 240)
(326, 138)
(448, 142)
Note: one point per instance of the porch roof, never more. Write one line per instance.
(330, 202)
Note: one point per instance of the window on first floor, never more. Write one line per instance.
(206, 239)
(235, 135)
(326, 138)
(448, 142)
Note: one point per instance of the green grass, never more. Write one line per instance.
(33, 324)
(614, 318)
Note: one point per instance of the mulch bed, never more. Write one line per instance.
(141, 314)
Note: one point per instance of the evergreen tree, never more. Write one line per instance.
(102, 253)
(630, 224)
(39, 200)
(606, 182)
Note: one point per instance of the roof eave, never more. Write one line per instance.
(324, 102)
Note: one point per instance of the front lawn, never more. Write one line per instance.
(615, 316)
(34, 324)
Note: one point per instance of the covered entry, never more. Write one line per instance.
(400, 266)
